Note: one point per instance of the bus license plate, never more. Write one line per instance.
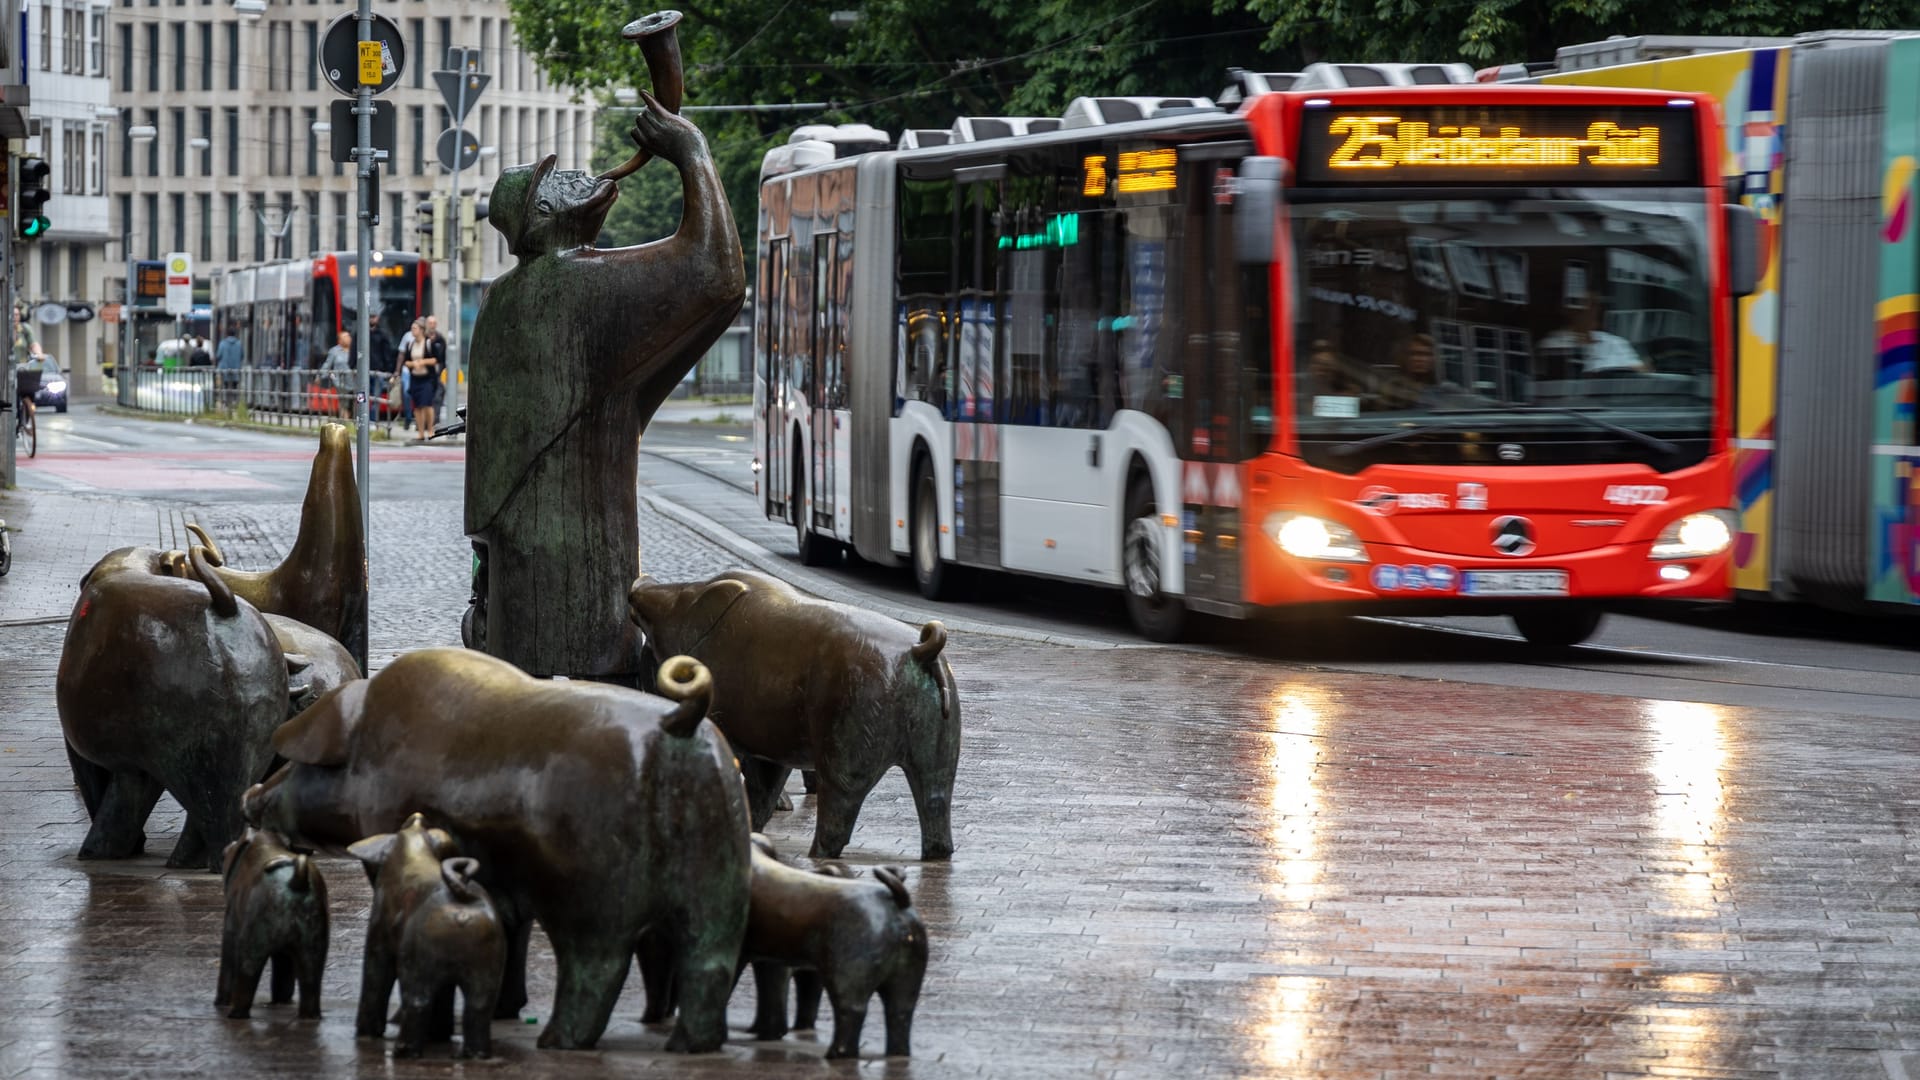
(1513, 583)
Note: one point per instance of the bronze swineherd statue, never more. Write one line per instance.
(573, 351)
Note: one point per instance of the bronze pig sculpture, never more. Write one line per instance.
(801, 683)
(598, 810)
(276, 912)
(166, 684)
(853, 938)
(323, 580)
(433, 928)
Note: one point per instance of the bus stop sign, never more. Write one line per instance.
(348, 68)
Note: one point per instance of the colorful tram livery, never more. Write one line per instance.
(1437, 349)
(288, 314)
(1824, 130)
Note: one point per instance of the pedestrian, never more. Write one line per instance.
(424, 373)
(229, 357)
(197, 355)
(401, 355)
(338, 372)
(380, 354)
(438, 344)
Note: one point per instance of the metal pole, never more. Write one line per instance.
(365, 164)
(122, 370)
(454, 340)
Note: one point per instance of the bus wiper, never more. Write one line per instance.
(1654, 443)
(1348, 449)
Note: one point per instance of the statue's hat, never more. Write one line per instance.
(510, 207)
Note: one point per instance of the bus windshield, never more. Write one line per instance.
(1533, 327)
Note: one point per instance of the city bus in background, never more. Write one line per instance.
(287, 314)
(1422, 347)
(1823, 131)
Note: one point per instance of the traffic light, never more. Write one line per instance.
(32, 196)
(472, 212)
(431, 218)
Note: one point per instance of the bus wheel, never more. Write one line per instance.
(1156, 615)
(815, 550)
(1556, 628)
(933, 576)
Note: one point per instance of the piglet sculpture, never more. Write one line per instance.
(801, 683)
(276, 911)
(434, 928)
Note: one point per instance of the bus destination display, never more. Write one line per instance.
(1428, 144)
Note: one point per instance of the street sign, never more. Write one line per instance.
(371, 55)
(150, 280)
(179, 282)
(346, 129)
(345, 66)
(460, 142)
(451, 88)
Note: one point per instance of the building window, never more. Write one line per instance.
(233, 58)
(153, 144)
(126, 58)
(126, 144)
(177, 118)
(153, 57)
(233, 142)
(313, 55)
(445, 27)
(77, 272)
(46, 37)
(179, 56)
(308, 117)
(152, 210)
(233, 227)
(313, 223)
(273, 56)
(397, 213)
(206, 56)
(203, 202)
(126, 223)
(419, 28)
(417, 116)
(259, 230)
(97, 44)
(97, 161)
(179, 208)
(205, 121)
(274, 135)
(339, 222)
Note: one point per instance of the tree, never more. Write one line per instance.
(1502, 31)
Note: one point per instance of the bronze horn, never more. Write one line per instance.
(661, 46)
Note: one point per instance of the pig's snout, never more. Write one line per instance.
(258, 802)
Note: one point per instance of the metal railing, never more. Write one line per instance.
(289, 397)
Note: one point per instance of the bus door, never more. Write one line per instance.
(1227, 404)
(974, 314)
(824, 352)
(774, 452)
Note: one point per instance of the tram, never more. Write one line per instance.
(287, 314)
(1415, 348)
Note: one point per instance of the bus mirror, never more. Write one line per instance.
(1256, 209)
(1743, 250)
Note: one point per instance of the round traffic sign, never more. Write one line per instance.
(458, 148)
(346, 68)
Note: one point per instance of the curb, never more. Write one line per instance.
(242, 425)
(827, 589)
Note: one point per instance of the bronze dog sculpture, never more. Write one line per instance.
(598, 810)
(166, 684)
(573, 351)
(853, 938)
(323, 580)
(433, 928)
(276, 913)
(801, 683)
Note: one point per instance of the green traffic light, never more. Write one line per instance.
(35, 227)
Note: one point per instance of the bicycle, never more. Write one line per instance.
(26, 431)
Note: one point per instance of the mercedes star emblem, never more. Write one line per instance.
(1511, 451)
(1513, 536)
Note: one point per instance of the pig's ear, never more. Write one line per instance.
(321, 733)
(442, 843)
(709, 606)
(373, 850)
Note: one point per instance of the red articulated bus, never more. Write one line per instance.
(1434, 349)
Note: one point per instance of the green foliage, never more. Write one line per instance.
(1486, 32)
(649, 205)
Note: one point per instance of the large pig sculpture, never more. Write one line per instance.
(600, 811)
(807, 684)
(166, 684)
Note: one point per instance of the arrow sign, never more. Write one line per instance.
(449, 82)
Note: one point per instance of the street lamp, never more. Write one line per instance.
(626, 95)
(198, 143)
(143, 132)
(251, 10)
(322, 127)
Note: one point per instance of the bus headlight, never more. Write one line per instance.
(1694, 536)
(1305, 537)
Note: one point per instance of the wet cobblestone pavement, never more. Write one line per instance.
(1171, 863)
